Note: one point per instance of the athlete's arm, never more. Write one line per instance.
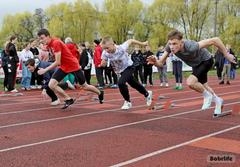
(136, 42)
(159, 63)
(56, 63)
(219, 44)
(103, 63)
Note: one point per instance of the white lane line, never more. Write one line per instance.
(99, 130)
(112, 94)
(82, 104)
(85, 114)
(173, 147)
(61, 118)
(155, 85)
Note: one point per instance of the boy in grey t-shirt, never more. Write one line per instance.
(123, 65)
(197, 56)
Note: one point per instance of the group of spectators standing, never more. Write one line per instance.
(88, 57)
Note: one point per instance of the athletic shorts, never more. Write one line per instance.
(78, 75)
(202, 69)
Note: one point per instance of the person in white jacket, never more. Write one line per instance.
(25, 54)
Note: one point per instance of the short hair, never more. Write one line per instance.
(106, 39)
(83, 45)
(97, 41)
(25, 44)
(30, 62)
(43, 31)
(13, 37)
(68, 40)
(175, 34)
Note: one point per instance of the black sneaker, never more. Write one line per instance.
(216, 115)
(228, 83)
(67, 103)
(101, 97)
(222, 82)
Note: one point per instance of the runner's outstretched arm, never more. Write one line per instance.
(219, 44)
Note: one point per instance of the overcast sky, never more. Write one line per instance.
(15, 6)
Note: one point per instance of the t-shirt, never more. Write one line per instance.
(192, 55)
(69, 63)
(25, 55)
(120, 59)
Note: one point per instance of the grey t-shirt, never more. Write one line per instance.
(120, 59)
(192, 55)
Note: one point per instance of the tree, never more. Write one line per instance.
(21, 25)
(229, 22)
(40, 18)
(75, 20)
(194, 15)
(119, 18)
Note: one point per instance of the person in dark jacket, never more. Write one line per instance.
(219, 61)
(35, 77)
(12, 64)
(147, 67)
(32, 67)
(86, 63)
(137, 58)
(5, 60)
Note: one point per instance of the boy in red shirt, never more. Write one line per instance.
(67, 64)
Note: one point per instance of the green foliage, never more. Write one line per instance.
(20, 25)
(119, 18)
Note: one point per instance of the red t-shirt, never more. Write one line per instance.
(73, 48)
(69, 63)
(97, 55)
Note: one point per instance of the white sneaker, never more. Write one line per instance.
(161, 84)
(149, 98)
(166, 85)
(70, 85)
(14, 91)
(144, 85)
(39, 87)
(219, 104)
(33, 87)
(127, 105)
(55, 103)
(207, 101)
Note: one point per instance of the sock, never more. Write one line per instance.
(206, 93)
(216, 98)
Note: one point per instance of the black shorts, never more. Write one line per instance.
(78, 75)
(202, 69)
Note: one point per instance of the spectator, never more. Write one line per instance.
(25, 55)
(147, 67)
(138, 60)
(177, 71)
(12, 64)
(162, 70)
(86, 63)
(97, 62)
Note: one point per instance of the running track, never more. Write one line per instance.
(35, 134)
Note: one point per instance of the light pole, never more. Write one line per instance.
(215, 18)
